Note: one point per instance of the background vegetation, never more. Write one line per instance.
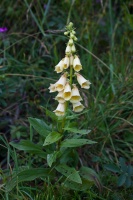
(29, 50)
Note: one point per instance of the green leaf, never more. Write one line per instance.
(75, 130)
(130, 170)
(28, 146)
(123, 164)
(69, 172)
(51, 115)
(52, 158)
(77, 186)
(128, 182)
(76, 142)
(40, 126)
(27, 175)
(112, 168)
(52, 137)
(121, 179)
(90, 175)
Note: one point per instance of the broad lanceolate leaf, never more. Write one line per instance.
(52, 158)
(69, 172)
(76, 142)
(112, 168)
(27, 175)
(90, 175)
(77, 186)
(52, 137)
(121, 179)
(75, 130)
(40, 126)
(28, 146)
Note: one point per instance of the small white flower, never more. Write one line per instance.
(73, 49)
(52, 88)
(67, 92)
(60, 97)
(71, 60)
(59, 66)
(68, 50)
(76, 64)
(66, 62)
(82, 81)
(75, 97)
(60, 110)
(78, 107)
(60, 84)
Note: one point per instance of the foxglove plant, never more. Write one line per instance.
(69, 66)
(62, 138)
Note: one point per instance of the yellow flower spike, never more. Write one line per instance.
(60, 110)
(78, 107)
(60, 84)
(66, 62)
(59, 66)
(52, 88)
(75, 97)
(67, 92)
(76, 64)
(83, 82)
(60, 97)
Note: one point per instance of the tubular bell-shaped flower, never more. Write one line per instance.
(67, 92)
(68, 50)
(66, 62)
(52, 88)
(75, 97)
(60, 97)
(82, 81)
(76, 64)
(78, 107)
(60, 110)
(60, 84)
(59, 66)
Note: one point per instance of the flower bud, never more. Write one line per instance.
(67, 92)
(68, 50)
(60, 84)
(66, 62)
(70, 42)
(71, 60)
(76, 64)
(78, 107)
(73, 49)
(75, 97)
(82, 81)
(60, 110)
(52, 88)
(60, 97)
(59, 66)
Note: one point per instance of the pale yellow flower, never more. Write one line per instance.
(59, 66)
(60, 97)
(78, 107)
(70, 42)
(83, 82)
(60, 110)
(71, 60)
(73, 49)
(67, 92)
(76, 64)
(68, 50)
(60, 84)
(75, 97)
(66, 62)
(52, 88)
